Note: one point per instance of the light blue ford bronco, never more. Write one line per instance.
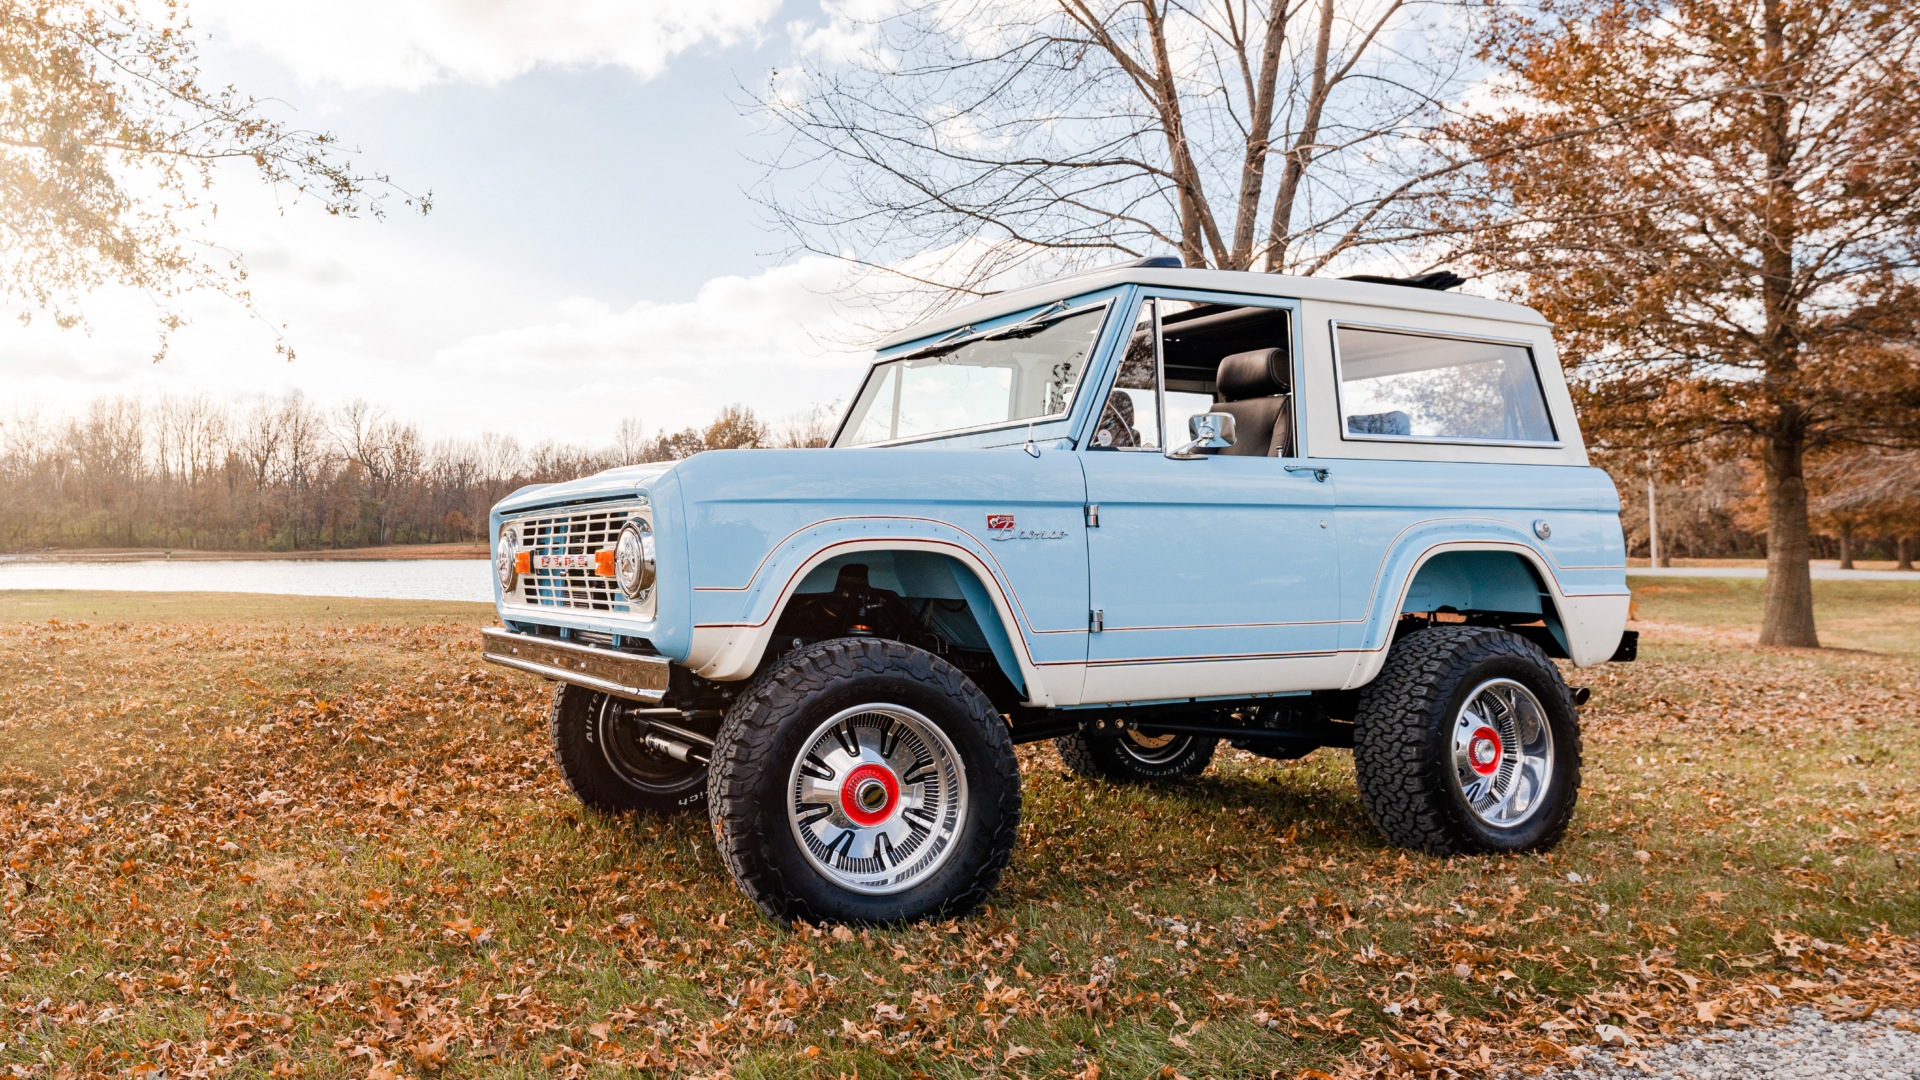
(1138, 511)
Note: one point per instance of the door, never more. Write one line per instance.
(1213, 575)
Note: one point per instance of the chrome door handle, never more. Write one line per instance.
(1319, 471)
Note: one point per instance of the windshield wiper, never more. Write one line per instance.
(1032, 324)
(946, 344)
(956, 340)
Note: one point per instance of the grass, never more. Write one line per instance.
(1873, 616)
(304, 837)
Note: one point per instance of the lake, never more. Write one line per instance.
(388, 579)
(443, 579)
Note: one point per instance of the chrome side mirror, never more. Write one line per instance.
(1210, 431)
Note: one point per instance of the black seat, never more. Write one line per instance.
(1255, 388)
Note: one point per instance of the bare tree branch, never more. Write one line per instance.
(983, 127)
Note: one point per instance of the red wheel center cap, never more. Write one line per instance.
(869, 795)
(1483, 751)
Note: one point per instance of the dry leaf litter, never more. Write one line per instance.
(242, 850)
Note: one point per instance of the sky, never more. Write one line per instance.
(593, 253)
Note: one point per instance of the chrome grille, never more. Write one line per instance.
(580, 531)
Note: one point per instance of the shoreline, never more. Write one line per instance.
(366, 554)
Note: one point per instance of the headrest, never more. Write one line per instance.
(1257, 374)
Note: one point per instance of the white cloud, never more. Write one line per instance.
(408, 44)
(849, 28)
(459, 337)
(754, 340)
(455, 345)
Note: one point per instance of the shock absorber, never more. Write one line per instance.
(675, 749)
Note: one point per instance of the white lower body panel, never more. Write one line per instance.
(1213, 677)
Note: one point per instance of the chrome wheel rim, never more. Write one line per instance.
(877, 799)
(1154, 749)
(1502, 753)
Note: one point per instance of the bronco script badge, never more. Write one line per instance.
(1001, 527)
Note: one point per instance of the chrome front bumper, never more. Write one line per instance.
(624, 675)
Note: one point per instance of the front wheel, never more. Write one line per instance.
(603, 755)
(1468, 742)
(862, 780)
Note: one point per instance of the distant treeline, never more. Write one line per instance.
(282, 474)
(1862, 504)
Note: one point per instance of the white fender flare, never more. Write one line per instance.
(728, 651)
(1593, 621)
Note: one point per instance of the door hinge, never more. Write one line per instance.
(1098, 619)
(1093, 515)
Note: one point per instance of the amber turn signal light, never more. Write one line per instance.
(523, 562)
(603, 562)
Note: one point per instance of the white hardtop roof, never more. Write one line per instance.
(1331, 290)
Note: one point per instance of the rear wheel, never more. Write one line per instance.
(1468, 742)
(603, 756)
(862, 780)
(1134, 758)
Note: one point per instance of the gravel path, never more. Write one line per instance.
(1810, 1047)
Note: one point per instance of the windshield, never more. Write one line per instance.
(1023, 372)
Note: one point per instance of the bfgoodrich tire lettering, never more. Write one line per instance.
(780, 715)
(1406, 753)
(599, 758)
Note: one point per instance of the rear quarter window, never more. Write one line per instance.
(1400, 384)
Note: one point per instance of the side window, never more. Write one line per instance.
(1131, 418)
(1211, 357)
(1235, 359)
(1400, 385)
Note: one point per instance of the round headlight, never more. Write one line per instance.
(503, 553)
(633, 560)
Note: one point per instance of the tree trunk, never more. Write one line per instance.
(1281, 224)
(1653, 519)
(1904, 546)
(1846, 545)
(1788, 619)
(1253, 168)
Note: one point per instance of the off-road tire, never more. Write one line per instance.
(1110, 758)
(759, 741)
(1402, 750)
(574, 725)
